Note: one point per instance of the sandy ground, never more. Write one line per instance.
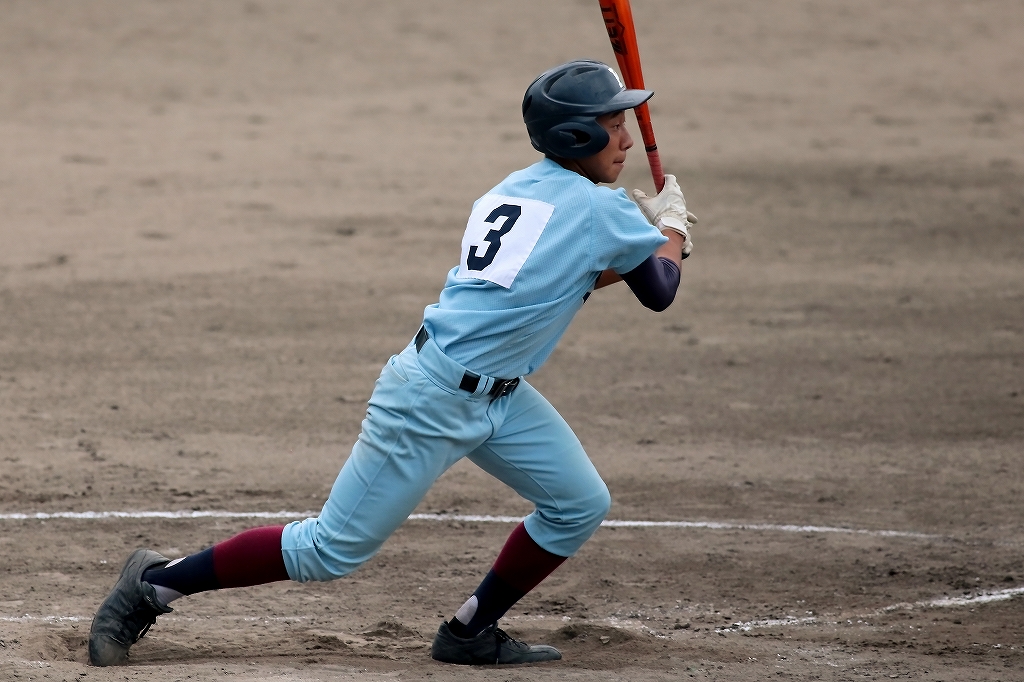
(217, 220)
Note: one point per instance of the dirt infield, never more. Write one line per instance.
(217, 221)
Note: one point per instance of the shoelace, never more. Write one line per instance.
(142, 614)
(501, 637)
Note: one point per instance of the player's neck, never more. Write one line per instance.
(572, 165)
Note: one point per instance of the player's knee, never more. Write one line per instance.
(563, 529)
(588, 513)
(589, 510)
(602, 503)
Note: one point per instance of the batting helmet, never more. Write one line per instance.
(561, 107)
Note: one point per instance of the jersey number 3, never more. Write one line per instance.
(511, 213)
(500, 235)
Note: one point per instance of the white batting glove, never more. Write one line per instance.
(667, 210)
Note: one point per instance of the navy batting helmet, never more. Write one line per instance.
(561, 107)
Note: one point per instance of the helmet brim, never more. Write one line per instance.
(627, 99)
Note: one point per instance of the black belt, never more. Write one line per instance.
(471, 380)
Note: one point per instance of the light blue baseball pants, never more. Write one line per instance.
(418, 424)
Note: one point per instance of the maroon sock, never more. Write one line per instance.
(520, 567)
(523, 563)
(252, 557)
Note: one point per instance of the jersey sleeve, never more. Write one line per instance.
(621, 237)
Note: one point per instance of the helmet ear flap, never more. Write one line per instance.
(575, 139)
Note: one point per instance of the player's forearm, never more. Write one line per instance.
(672, 249)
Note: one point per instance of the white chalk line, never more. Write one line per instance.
(463, 518)
(944, 602)
(183, 514)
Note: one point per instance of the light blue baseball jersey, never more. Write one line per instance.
(533, 249)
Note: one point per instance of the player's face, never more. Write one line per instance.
(606, 165)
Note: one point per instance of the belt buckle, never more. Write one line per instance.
(503, 388)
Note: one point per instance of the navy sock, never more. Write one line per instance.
(192, 574)
(520, 567)
(494, 597)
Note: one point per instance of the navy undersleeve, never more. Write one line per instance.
(654, 282)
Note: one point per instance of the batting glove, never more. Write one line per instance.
(667, 210)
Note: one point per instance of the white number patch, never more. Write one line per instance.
(500, 236)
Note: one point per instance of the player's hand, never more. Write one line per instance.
(668, 203)
(667, 210)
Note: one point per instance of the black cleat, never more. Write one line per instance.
(490, 647)
(127, 613)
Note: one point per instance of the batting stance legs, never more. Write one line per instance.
(418, 424)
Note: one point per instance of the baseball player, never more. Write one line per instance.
(534, 249)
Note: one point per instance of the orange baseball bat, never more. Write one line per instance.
(618, 19)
